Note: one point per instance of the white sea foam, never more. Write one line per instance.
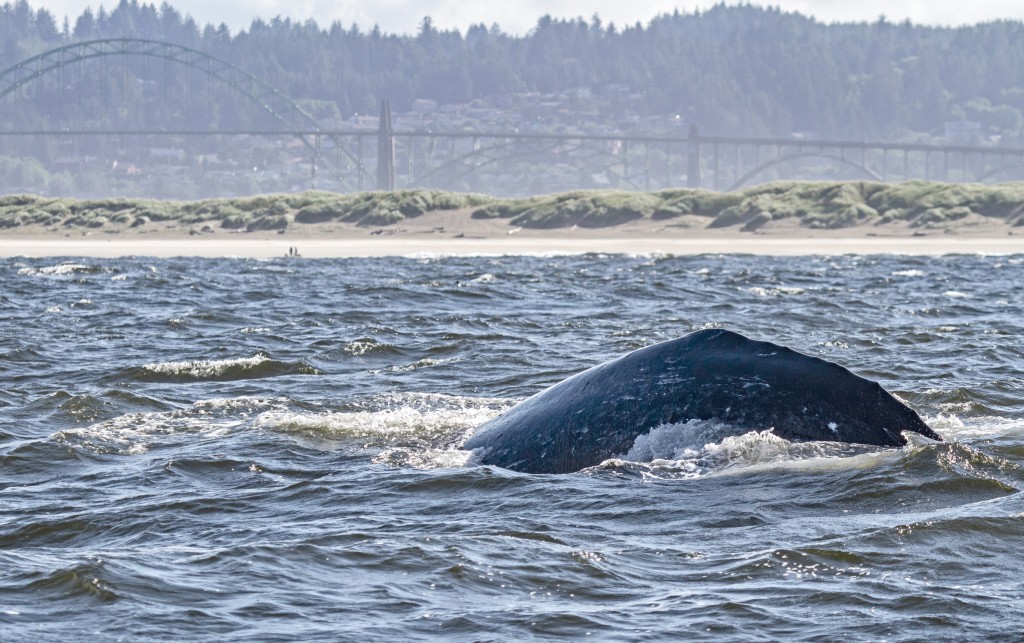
(412, 429)
(908, 273)
(205, 368)
(423, 363)
(413, 420)
(679, 441)
(758, 291)
(361, 347)
(952, 427)
(60, 269)
(135, 433)
(698, 448)
(425, 458)
(239, 404)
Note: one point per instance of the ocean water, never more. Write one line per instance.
(236, 449)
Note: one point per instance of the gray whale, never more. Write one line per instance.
(707, 375)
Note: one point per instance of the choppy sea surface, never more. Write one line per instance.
(235, 449)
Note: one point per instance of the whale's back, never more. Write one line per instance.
(710, 374)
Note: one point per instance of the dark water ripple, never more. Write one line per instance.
(211, 449)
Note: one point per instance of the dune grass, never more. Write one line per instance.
(829, 205)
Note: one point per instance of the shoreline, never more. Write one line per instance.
(774, 219)
(259, 247)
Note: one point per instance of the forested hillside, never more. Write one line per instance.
(732, 70)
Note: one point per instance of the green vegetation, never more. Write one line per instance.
(264, 212)
(828, 205)
(742, 70)
(585, 208)
(813, 204)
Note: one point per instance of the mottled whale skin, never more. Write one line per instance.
(707, 375)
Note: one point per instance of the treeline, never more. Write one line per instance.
(736, 70)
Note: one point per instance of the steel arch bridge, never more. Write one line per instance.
(861, 167)
(493, 161)
(293, 120)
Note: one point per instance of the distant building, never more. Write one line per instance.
(364, 122)
(424, 106)
(174, 153)
(963, 131)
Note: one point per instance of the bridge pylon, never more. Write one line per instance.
(385, 149)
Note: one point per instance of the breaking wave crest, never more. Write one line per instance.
(61, 270)
(411, 429)
(258, 366)
(136, 433)
(700, 448)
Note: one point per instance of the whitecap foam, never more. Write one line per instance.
(136, 433)
(758, 291)
(416, 421)
(952, 427)
(426, 458)
(363, 346)
(58, 270)
(705, 448)
(676, 441)
(205, 368)
(423, 363)
(240, 404)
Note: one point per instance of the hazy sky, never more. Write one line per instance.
(519, 16)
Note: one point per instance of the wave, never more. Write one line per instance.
(947, 472)
(258, 366)
(701, 448)
(81, 580)
(365, 346)
(420, 430)
(61, 270)
(758, 291)
(410, 429)
(404, 368)
(136, 433)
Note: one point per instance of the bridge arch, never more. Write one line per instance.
(277, 105)
(992, 174)
(740, 182)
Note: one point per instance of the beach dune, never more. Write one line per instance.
(793, 218)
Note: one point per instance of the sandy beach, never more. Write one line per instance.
(262, 247)
(455, 233)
